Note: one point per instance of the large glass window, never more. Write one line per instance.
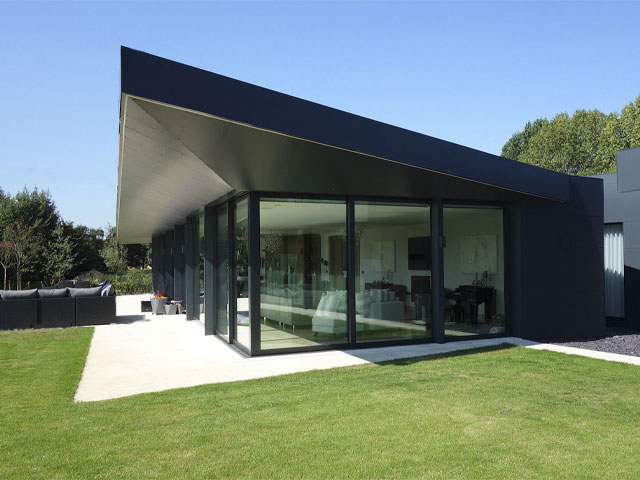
(474, 273)
(201, 283)
(222, 271)
(241, 273)
(393, 271)
(303, 273)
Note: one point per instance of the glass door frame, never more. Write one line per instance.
(254, 273)
(437, 286)
(507, 212)
(233, 285)
(232, 289)
(228, 337)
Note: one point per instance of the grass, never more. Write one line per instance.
(497, 413)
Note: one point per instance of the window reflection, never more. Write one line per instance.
(241, 273)
(474, 273)
(303, 273)
(393, 271)
(222, 270)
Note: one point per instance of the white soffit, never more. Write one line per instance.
(160, 181)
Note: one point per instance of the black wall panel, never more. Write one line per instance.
(561, 255)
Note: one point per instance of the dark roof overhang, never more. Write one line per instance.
(188, 136)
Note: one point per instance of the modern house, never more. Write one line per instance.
(300, 227)
(622, 240)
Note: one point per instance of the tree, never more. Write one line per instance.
(610, 142)
(59, 255)
(630, 124)
(519, 141)
(584, 132)
(138, 255)
(35, 210)
(568, 144)
(6, 259)
(620, 133)
(88, 243)
(25, 243)
(548, 148)
(583, 144)
(113, 254)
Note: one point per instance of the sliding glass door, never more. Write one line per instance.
(303, 273)
(222, 271)
(393, 271)
(241, 273)
(307, 248)
(474, 271)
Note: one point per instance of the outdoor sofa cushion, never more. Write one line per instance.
(107, 290)
(18, 294)
(85, 292)
(53, 293)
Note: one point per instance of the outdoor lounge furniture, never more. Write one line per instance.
(56, 308)
(61, 307)
(18, 309)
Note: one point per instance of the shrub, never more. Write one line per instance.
(131, 282)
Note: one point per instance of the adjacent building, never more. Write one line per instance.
(622, 240)
(284, 225)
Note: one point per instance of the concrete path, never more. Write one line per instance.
(583, 352)
(145, 353)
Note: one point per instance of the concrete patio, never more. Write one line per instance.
(145, 353)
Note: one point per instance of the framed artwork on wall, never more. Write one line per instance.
(479, 253)
(385, 252)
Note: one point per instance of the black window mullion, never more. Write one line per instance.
(254, 271)
(231, 215)
(437, 272)
(351, 274)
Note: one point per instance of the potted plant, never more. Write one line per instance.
(158, 302)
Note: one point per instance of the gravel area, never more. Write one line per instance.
(616, 340)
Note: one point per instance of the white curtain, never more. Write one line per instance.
(613, 270)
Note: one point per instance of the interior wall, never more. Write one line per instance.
(324, 234)
(399, 234)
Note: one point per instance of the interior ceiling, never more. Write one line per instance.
(174, 161)
(280, 214)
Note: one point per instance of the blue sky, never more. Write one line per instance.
(473, 73)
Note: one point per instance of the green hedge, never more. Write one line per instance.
(131, 282)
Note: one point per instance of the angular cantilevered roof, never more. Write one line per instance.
(188, 137)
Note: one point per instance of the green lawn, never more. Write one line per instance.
(500, 413)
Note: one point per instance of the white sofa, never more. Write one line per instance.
(375, 310)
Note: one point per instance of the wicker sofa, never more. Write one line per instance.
(56, 307)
